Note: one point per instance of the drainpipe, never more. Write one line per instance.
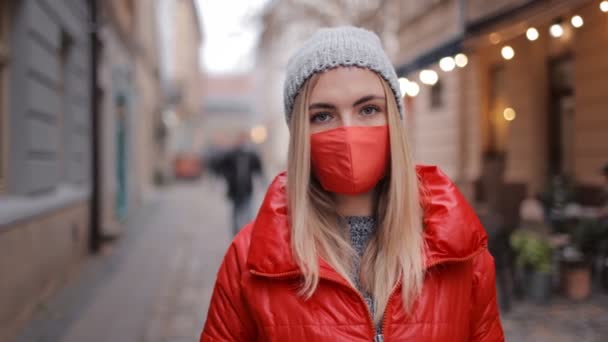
(95, 214)
(464, 122)
(462, 16)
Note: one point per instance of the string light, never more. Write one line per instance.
(556, 30)
(532, 34)
(429, 77)
(577, 21)
(509, 114)
(507, 52)
(403, 85)
(412, 89)
(447, 64)
(461, 60)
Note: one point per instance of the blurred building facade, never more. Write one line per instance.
(46, 144)
(129, 103)
(81, 132)
(528, 105)
(181, 76)
(229, 109)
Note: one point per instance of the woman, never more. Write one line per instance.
(354, 243)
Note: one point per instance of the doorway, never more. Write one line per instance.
(560, 119)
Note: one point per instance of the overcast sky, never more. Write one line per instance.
(230, 34)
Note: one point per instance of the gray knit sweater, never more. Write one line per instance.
(361, 229)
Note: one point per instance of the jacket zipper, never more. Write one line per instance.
(370, 318)
(377, 337)
(386, 310)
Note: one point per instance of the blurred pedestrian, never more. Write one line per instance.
(238, 166)
(354, 242)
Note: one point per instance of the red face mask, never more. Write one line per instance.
(350, 160)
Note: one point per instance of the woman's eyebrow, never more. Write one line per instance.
(367, 98)
(321, 106)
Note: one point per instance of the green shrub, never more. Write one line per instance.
(533, 250)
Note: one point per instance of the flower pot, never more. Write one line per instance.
(576, 280)
(539, 290)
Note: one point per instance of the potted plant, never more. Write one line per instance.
(576, 258)
(575, 274)
(534, 255)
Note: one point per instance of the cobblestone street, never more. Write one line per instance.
(154, 284)
(560, 321)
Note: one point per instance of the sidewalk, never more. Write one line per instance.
(155, 283)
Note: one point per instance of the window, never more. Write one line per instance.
(4, 60)
(496, 125)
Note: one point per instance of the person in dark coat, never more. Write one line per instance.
(238, 166)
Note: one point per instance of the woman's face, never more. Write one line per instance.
(346, 97)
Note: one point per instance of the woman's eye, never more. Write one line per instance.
(369, 110)
(320, 117)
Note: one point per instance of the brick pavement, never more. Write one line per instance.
(561, 320)
(154, 284)
(180, 311)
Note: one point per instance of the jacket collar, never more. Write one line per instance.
(452, 231)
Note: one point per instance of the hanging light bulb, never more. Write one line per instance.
(447, 64)
(403, 85)
(556, 30)
(461, 60)
(604, 6)
(412, 89)
(509, 114)
(532, 34)
(577, 21)
(507, 52)
(429, 77)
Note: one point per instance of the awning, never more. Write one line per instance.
(531, 11)
(449, 48)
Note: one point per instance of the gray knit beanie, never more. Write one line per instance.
(330, 48)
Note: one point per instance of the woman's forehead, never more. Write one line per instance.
(345, 83)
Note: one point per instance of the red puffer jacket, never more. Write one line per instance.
(255, 295)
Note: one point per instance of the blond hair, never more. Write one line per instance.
(394, 254)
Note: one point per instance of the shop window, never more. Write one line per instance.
(437, 95)
(560, 119)
(495, 144)
(4, 64)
